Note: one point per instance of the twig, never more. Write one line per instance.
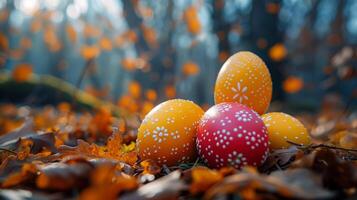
(314, 146)
(8, 150)
(166, 169)
(196, 162)
(277, 166)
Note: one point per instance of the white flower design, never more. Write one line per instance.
(243, 116)
(170, 120)
(240, 92)
(160, 134)
(236, 159)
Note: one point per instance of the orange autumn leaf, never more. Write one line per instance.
(22, 72)
(170, 91)
(27, 172)
(98, 92)
(293, 84)
(262, 43)
(4, 43)
(203, 178)
(106, 44)
(119, 41)
(101, 122)
(150, 167)
(145, 11)
(89, 51)
(146, 108)
(190, 69)
(128, 102)
(129, 64)
(91, 31)
(278, 52)
(16, 53)
(4, 15)
(272, 8)
(131, 36)
(223, 56)
(35, 26)
(192, 21)
(151, 95)
(194, 26)
(71, 33)
(107, 183)
(124, 101)
(149, 35)
(51, 39)
(25, 43)
(64, 107)
(134, 89)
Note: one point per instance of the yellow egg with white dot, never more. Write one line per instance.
(244, 78)
(283, 128)
(168, 132)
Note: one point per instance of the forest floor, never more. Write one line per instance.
(55, 152)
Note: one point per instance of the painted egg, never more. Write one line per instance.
(282, 128)
(168, 132)
(244, 78)
(231, 134)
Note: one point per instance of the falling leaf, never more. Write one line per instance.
(293, 84)
(223, 56)
(22, 72)
(129, 64)
(170, 92)
(51, 39)
(71, 33)
(131, 36)
(278, 52)
(25, 43)
(36, 25)
(90, 51)
(91, 31)
(146, 108)
(134, 89)
(4, 43)
(192, 21)
(272, 8)
(262, 43)
(4, 15)
(190, 69)
(105, 43)
(149, 35)
(151, 95)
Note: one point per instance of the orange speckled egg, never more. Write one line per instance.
(168, 132)
(283, 127)
(244, 78)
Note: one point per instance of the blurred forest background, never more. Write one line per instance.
(137, 53)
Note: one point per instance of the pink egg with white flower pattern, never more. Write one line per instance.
(231, 134)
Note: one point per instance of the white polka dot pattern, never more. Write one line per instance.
(231, 134)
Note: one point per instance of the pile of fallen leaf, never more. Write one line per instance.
(58, 153)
